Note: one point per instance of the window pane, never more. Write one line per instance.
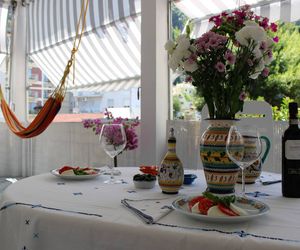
(185, 101)
(278, 89)
(107, 73)
(79, 104)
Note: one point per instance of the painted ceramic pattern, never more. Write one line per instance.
(220, 172)
(171, 174)
(254, 170)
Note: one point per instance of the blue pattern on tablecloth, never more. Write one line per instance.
(241, 233)
(257, 194)
(45, 207)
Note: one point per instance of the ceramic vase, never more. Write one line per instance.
(220, 172)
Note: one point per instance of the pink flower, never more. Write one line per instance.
(192, 59)
(229, 57)
(217, 20)
(270, 53)
(276, 39)
(265, 72)
(273, 27)
(242, 96)
(220, 67)
(213, 42)
(264, 23)
(115, 138)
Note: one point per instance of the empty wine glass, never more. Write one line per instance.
(113, 140)
(243, 147)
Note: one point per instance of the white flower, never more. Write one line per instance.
(260, 66)
(258, 69)
(178, 54)
(181, 37)
(248, 33)
(173, 63)
(183, 43)
(268, 59)
(257, 52)
(269, 42)
(254, 76)
(169, 46)
(191, 67)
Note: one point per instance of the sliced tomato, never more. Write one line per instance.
(153, 170)
(193, 201)
(227, 210)
(84, 169)
(204, 205)
(64, 168)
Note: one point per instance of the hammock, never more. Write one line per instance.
(53, 104)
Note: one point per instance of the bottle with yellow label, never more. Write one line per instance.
(170, 174)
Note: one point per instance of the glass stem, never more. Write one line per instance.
(112, 174)
(112, 171)
(243, 182)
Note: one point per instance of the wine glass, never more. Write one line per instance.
(113, 140)
(243, 147)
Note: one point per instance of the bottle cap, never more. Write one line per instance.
(171, 135)
(293, 108)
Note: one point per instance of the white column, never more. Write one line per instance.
(154, 81)
(18, 86)
(18, 68)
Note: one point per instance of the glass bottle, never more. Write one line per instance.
(291, 155)
(170, 174)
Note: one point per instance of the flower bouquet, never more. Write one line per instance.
(222, 62)
(128, 124)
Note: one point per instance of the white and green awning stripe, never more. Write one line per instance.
(110, 48)
(201, 10)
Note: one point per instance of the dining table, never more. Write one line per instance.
(46, 212)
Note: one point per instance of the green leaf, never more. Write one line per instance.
(225, 200)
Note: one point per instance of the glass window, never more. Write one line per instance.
(280, 87)
(107, 73)
(185, 101)
(81, 103)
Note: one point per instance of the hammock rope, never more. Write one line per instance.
(53, 104)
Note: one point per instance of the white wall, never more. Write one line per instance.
(71, 144)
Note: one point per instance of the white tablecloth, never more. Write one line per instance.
(45, 212)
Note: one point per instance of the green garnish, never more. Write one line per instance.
(144, 177)
(226, 200)
(79, 172)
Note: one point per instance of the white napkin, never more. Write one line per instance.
(149, 210)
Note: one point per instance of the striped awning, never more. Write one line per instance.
(201, 10)
(110, 47)
(111, 86)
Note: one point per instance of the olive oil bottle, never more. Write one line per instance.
(170, 174)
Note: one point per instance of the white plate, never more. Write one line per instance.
(76, 177)
(255, 209)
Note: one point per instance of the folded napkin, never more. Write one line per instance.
(149, 210)
(270, 178)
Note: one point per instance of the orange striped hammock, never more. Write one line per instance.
(54, 102)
